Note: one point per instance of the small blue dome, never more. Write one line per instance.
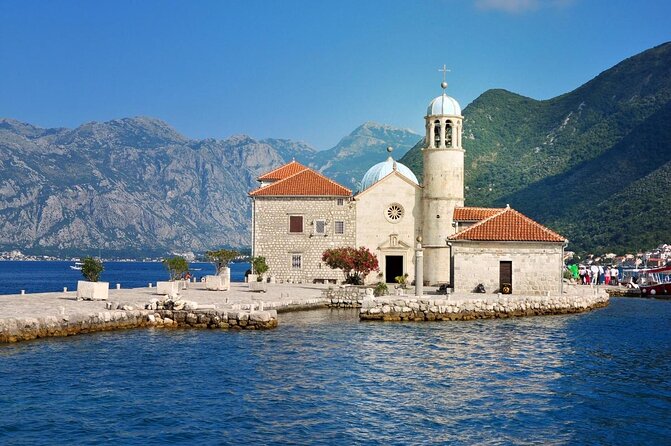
(444, 105)
(381, 170)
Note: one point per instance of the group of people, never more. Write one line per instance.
(595, 274)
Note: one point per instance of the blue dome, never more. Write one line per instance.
(381, 170)
(444, 105)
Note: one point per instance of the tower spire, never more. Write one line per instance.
(445, 70)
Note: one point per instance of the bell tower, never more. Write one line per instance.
(443, 183)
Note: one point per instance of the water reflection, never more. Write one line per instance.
(325, 378)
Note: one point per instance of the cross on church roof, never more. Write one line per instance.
(444, 70)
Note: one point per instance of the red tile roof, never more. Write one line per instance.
(304, 183)
(508, 225)
(474, 214)
(283, 171)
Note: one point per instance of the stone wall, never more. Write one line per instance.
(23, 329)
(271, 237)
(346, 297)
(537, 267)
(414, 309)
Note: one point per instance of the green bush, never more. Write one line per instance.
(221, 258)
(91, 269)
(177, 266)
(380, 289)
(259, 266)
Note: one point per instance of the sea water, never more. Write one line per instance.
(43, 276)
(323, 377)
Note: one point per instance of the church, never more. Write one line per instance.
(298, 213)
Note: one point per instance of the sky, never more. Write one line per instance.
(304, 70)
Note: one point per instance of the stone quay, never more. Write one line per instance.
(30, 316)
(463, 306)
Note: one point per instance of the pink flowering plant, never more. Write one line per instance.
(356, 264)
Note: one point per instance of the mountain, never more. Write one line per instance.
(581, 162)
(349, 160)
(136, 187)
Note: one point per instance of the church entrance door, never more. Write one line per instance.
(393, 268)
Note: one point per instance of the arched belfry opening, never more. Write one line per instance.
(436, 134)
(448, 133)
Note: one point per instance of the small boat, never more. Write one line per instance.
(653, 282)
(656, 282)
(77, 266)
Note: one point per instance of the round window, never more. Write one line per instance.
(394, 212)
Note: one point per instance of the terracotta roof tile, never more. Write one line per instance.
(508, 225)
(474, 213)
(283, 172)
(304, 183)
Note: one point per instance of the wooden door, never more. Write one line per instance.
(506, 277)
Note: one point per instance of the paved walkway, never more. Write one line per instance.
(279, 296)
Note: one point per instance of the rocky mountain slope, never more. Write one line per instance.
(581, 162)
(137, 187)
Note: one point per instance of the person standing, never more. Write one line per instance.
(595, 274)
(606, 276)
(614, 279)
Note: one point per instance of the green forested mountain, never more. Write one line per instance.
(594, 164)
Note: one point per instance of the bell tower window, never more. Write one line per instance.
(436, 134)
(448, 134)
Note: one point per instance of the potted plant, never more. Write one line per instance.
(177, 267)
(91, 289)
(221, 259)
(259, 267)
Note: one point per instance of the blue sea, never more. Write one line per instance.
(40, 276)
(322, 377)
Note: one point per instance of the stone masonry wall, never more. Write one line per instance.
(423, 309)
(537, 267)
(22, 329)
(273, 240)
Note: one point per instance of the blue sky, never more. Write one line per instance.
(305, 70)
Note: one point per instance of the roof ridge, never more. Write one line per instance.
(479, 223)
(531, 220)
(280, 181)
(327, 179)
(307, 170)
(282, 167)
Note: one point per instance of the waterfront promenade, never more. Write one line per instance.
(29, 316)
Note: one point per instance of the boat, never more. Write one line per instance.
(653, 282)
(77, 266)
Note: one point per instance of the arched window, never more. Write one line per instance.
(436, 133)
(448, 134)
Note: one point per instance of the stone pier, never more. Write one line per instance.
(31, 316)
(478, 306)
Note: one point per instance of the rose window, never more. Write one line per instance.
(394, 212)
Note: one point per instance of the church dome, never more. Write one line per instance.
(444, 105)
(381, 170)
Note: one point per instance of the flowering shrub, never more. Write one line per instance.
(356, 264)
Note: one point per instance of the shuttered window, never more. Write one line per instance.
(296, 223)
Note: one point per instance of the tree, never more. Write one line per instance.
(259, 265)
(176, 266)
(91, 269)
(356, 264)
(222, 258)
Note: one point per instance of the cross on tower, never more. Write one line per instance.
(444, 70)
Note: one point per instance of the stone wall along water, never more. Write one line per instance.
(23, 329)
(453, 309)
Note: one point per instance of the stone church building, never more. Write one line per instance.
(298, 213)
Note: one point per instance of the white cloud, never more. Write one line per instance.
(519, 6)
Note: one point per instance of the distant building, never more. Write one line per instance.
(298, 213)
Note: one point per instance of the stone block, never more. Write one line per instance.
(260, 287)
(217, 283)
(92, 290)
(170, 289)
